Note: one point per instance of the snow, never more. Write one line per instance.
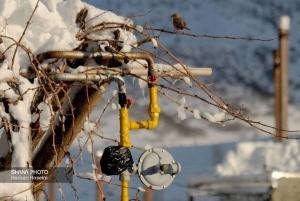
(215, 118)
(233, 62)
(188, 81)
(88, 129)
(181, 109)
(258, 157)
(154, 42)
(140, 189)
(115, 92)
(8, 92)
(196, 114)
(284, 23)
(89, 146)
(99, 153)
(139, 28)
(114, 106)
(142, 83)
(87, 175)
(21, 156)
(104, 178)
(5, 73)
(94, 177)
(51, 28)
(148, 147)
(45, 115)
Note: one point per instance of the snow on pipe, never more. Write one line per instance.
(164, 70)
(92, 73)
(100, 55)
(91, 77)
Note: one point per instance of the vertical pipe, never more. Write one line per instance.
(51, 188)
(124, 189)
(283, 55)
(191, 198)
(124, 128)
(277, 91)
(125, 142)
(99, 185)
(148, 195)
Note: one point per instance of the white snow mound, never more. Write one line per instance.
(257, 157)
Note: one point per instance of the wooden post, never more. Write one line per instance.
(277, 90)
(148, 195)
(51, 191)
(67, 132)
(99, 192)
(281, 80)
(191, 198)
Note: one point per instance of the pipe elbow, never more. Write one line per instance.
(153, 122)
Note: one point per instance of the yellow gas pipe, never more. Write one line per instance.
(126, 125)
(153, 111)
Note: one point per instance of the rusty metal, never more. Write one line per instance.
(100, 55)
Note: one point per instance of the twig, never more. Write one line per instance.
(25, 29)
(204, 35)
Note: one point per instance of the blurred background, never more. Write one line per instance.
(242, 76)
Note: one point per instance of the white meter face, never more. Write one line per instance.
(157, 168)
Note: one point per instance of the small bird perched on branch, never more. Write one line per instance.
(178, 22)
(80, 18)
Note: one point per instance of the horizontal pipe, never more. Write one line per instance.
(93, 75)
(140, 71)
(71, 77)
(100, 55)
(180, 72)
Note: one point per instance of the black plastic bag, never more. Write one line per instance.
(115, 160)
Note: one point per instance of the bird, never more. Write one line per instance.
(80, 18)
(178, 22)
